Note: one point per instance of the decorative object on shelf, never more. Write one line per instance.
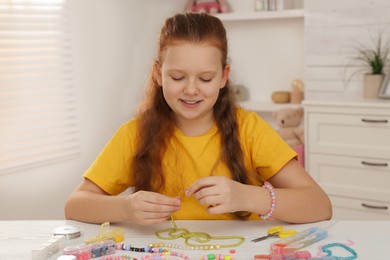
(241, 92)
(372, 60)
(371, 85)
(272, 5)
(279, 5)
(384, 91)
(207, 6)
(261, 5)
(297, 93)
(275, 5)
(281, 97)
(288, 121)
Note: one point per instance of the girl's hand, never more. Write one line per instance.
(221, 194)
(150, 207)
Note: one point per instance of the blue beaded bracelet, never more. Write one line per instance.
(328, 252)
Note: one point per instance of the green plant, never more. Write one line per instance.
(371, 59)
(376, 58)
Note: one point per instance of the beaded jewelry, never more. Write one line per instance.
(200, 237)
(160, 245)
(128, 247)
(269, 187)
(153, 252)
(328, 252)
(216, 257)
(118, 257)
(161, 256)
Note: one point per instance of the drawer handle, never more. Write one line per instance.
(374, 207)
(375, 121)
(375, 164)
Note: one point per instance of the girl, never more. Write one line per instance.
(192, 152)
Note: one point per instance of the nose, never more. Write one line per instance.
(191, 88)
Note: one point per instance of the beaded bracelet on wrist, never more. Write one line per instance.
(268, 215)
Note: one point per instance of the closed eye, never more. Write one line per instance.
(177, 78)
(206, 80)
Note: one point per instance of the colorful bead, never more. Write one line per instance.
(268, 215)
(216, 257)
(161, 256)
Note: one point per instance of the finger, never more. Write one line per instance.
(207, 195)
(151, 221)
(155, 215)
(217, 209)
(145, 216)
(160, 208)
(160, 199)
(200, 184)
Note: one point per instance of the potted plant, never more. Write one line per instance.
(371, 61)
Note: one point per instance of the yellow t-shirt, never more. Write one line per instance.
(189, 158)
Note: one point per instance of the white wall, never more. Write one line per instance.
(332, 28)
(266, 54)
(113, 44)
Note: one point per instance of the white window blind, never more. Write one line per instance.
(38, 121)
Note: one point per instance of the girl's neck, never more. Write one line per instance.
(195, 127)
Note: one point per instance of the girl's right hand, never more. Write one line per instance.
(146, 207)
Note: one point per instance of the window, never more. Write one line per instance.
(38, 122)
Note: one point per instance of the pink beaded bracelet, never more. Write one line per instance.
(269, 187)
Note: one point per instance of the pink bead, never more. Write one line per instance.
(269, 187)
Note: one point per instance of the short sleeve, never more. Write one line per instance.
(111, 169)
(264, 149)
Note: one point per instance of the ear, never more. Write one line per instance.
(157, 74)
(225, 75)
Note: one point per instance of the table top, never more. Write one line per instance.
(370, 239)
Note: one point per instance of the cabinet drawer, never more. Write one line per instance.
(354, 209)
(349, 134)
(347, 176)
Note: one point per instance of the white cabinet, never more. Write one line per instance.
(348, 153)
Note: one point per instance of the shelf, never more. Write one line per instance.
(261, 15)
(266, 106)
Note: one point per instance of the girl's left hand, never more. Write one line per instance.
(220, 193)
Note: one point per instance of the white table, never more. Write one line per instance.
(371, 238)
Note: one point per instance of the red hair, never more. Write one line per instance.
(157, 120)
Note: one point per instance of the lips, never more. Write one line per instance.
(190, 102)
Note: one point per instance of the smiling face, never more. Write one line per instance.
(191, 76)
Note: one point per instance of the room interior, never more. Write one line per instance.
(112, 45)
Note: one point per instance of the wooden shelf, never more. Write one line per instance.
(265, 106)
(242, 16)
